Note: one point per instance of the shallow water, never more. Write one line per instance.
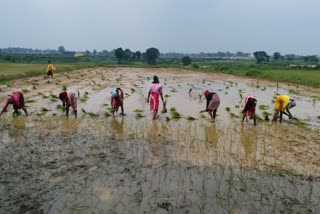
(129, 164)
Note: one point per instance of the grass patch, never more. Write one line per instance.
(263, 107)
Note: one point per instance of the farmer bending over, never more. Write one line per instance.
(69, 99)
(17, 100)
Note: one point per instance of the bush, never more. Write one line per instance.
(196, 66)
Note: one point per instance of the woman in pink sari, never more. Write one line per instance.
(68, 99)
(153, 96)
(249, 110)
(17, 100)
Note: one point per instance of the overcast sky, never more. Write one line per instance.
(189, 26)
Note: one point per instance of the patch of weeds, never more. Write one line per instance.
(128, 95)
(258, 117)
(263, 107)
(318, 117)
(53, 96)
(64, 88)
(133, 90)
(227, 108)
(44, 109)
(167, 95)
(237, 106)
(168, 119)
(34, 87)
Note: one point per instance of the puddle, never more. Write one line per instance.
(118, 165)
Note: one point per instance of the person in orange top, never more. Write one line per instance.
(17, 100)
(282, 105)
(50, 69)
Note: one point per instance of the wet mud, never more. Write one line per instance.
(99, 164)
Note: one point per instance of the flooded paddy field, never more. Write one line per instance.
(99, 164)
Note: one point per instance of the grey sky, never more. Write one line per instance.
(189, 26)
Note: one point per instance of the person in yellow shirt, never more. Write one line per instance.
(50, 69)
(282, 105)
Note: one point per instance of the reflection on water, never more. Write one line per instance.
(249, 140)
(18, 127)
(117, 126)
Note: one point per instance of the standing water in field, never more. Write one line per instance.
(178, 163)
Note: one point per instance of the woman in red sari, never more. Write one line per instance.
(117, 100)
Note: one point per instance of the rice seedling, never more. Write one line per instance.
(263, 107)
(24, 90)
(167, 95)
(258, 117)
(318, 117)
(175, 115)
(190, 90)
(173, 90)
(173, 109)
(168, 119)
(139, 116)
(291, 91)
(138, 110)
(297, 122)
(191, 118)
(266, 115)
(64, 87)
(85, 97)
(237, 106)
(34, 87)
(59, 106)
(227, 108)
(132, 90)
(43, 95)
(110, 109)
(107, 114)
(29, 101)
(164, 107)
(83, 111)
(91, 114)
(233, 115)
(44, 109)
(53, 96)
(127, 94)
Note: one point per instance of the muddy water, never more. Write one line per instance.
(129, 164)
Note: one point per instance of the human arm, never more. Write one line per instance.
(148, 97)
(5, 106)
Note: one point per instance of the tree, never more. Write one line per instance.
(87, 53)
(186, 61)
(261, 56)
(276, 56)
(61, 50)
(312, 58)
(94, 52)
(138, 54)
(119, 53)
(127, 54)
(151, 55)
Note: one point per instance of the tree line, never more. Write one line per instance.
(262, 57)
